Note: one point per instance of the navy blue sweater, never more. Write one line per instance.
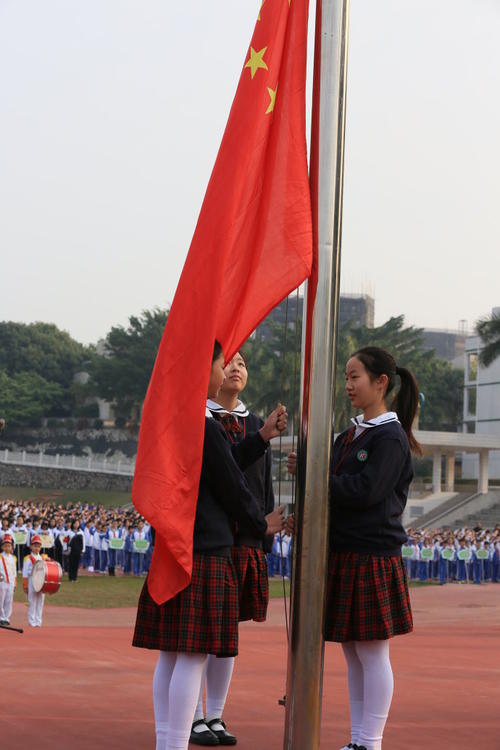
(260, 483)
(369, 489)
(223, 494)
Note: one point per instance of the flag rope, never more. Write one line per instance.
(293, 408)
(282, 388)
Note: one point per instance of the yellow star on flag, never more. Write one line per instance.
(272, 94)
(255, 62)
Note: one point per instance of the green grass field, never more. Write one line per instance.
(92, 592)
(101, 592)
(61, 497)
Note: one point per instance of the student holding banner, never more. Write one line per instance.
(115, 544)
(140, 545)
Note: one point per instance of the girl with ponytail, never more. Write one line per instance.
(371, 471)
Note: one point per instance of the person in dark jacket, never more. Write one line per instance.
(367, 600)
(76, 547)
(203, 618)
(367, 592)
(247, 553)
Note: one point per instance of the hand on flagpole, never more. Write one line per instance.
(290, 525)
(275, 424)
(275, 520)
(291, 464)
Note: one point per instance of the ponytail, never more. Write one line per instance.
(405, 404)
(378, 362)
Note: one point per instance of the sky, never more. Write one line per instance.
(112, 112)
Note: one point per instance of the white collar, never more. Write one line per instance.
(240, 409)
(388, 416)
(208, 413)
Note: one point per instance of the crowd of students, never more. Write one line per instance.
(465, 555)
(80, 536)
(103, 540)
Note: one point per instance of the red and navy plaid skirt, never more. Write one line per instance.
(367, 598)
(203, 618)
(251, 571)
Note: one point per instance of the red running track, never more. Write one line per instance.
(76, 683)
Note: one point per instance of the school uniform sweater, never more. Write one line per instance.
(368, 491)
(258, 477)
(224, 495)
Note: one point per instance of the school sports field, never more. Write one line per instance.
(77, 683)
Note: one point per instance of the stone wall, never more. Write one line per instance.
(110, 442)
(61, 479)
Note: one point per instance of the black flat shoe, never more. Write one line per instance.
(207, 737)
(225, 738)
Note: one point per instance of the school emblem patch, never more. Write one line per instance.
(362, 455)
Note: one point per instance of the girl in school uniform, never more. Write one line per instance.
(367, 599)
(248, 552)
(203, 618)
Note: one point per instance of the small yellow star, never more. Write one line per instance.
(262, 3)
(272, 93)
(255, 62)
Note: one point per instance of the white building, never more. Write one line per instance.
(481, 404)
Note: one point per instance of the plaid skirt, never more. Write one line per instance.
(251, 571)
(203, 618)
(367, 598)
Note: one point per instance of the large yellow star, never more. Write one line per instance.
(272, 93)
(255, 62)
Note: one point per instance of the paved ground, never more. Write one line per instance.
(76, 683)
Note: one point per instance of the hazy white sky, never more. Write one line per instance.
(112, 111)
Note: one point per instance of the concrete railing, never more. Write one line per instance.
(77, 463)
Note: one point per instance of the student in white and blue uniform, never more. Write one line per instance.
(138, 558)
(112, 533)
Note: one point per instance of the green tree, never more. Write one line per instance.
(40, 348)
(121, 375)
(489, 331)
(273, 375)
(26, 396)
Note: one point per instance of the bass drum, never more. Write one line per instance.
(46, 576)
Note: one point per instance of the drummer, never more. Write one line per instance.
(35, 598)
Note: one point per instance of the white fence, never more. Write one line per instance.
(77, 463)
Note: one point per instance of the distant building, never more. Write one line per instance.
(357, 308)
(449, 345)
(481, 403)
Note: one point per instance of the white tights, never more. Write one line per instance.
(218, 678)
(176, 686)
(371, 685)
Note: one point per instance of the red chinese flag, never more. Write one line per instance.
(252, 246)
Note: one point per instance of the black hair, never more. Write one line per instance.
(378, 362)
(217, 351)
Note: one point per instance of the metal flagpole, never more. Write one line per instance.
(305, 661)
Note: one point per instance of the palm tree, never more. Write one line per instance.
(489, 331)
